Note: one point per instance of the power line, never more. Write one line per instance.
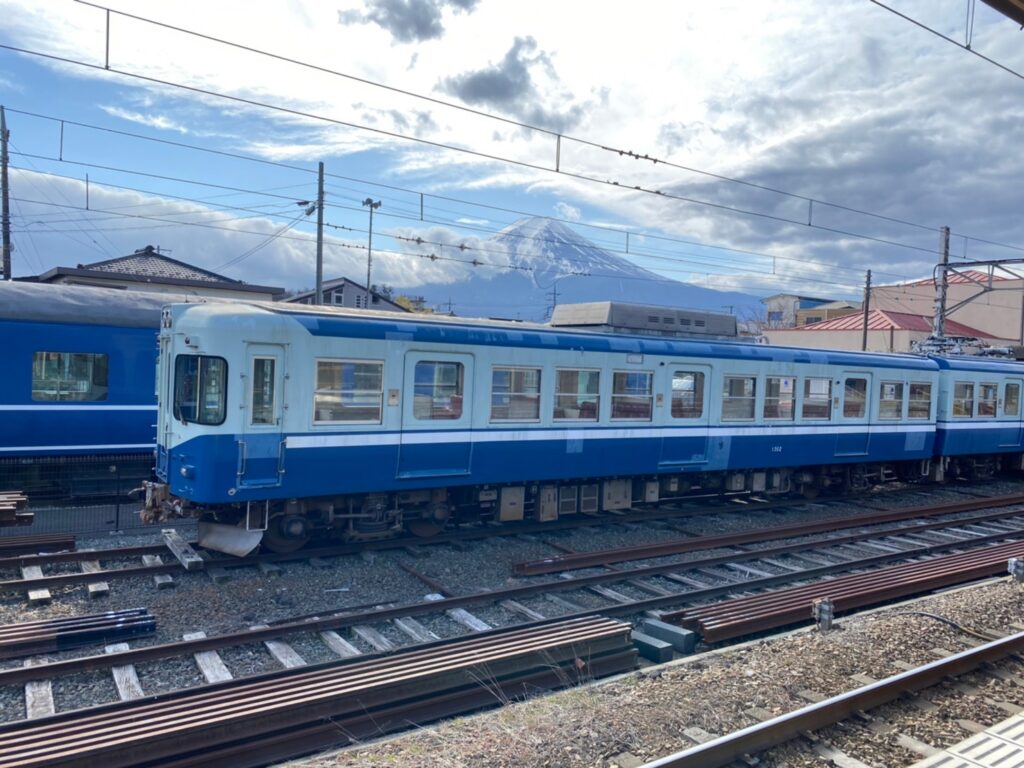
(479, 113)
(391, 213)
(948, 39)
(464, 150)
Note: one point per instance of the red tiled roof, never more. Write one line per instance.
(883, 320)
(964, 276)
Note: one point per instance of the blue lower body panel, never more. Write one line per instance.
(325, 464)
(67, 431)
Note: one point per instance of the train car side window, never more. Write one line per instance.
(779, 393)
(739, 394)
(348, 391)
(817, 398)
(438, 390)
(988, 396)
(890, 400)
(1011, 400)
(200, 389)
(632, 395)
(855, 398)
(687, 394)
(515, 394)
(69, 376)
(920, 404)
(263, 377)
(577, 394)
(963, 399)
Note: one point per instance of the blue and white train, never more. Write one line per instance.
(278, 421)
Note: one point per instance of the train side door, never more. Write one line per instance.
(261, 444)
(1010, 416)
(437, 415)
(852, 408)
(685, 441)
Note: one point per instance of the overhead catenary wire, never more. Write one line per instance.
(617, 251)
(483, 155)
(509, 121)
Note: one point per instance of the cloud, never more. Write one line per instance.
(566, 211)
(152, 120)
(511, 87)
(408, 21)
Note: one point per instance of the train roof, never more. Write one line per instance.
(979, 364)
(49, 303)
(371, 324)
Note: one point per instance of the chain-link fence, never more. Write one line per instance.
(78, 494)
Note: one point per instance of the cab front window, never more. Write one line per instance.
(200, 389)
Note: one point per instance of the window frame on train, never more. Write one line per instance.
(890, 400)
(988, 400)
(816, 400)
(631, 395)
(699, 383)
(729, 399)
(92, 387)
(512, 394)
(456, 399)
(778, 411)
(911, 401)
(319, 390)
(960, 387)
(202, 361)
(1016, 398)
(863, 399)
(582, 398)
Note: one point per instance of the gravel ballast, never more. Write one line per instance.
(645, 714)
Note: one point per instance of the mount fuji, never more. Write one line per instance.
(544, 255)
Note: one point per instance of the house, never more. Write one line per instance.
(342, 292)
(826, 311)
(151, 271)
(781, 309)
(996, 310)
(887, 332)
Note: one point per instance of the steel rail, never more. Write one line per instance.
(339, 620)
(757, 738)
(731, 619)
(174, 567)
(679, 546)
(187, 722)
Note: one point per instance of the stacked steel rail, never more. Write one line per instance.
(274, 717)
(662, 549)
(12, 509)
(53, 635)
(30, 545)
(729, 619)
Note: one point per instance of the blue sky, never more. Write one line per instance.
(855, 107)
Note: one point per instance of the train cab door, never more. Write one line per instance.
(852, 411)
(685, 441)
(437, 415)
(1010, 415)
(261, 443)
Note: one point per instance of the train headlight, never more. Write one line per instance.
(186, 471)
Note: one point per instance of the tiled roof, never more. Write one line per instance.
(148, 263)
(883, 320)
(964, 276)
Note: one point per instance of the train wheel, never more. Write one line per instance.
(810, 491)
(287, 533)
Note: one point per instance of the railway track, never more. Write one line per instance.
(158, 561)
(627, 593)
(857, 710)
(279, 716)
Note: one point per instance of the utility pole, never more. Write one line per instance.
(320, 236)
(372, 205)
(941, 288)
(867, 309)
(4, 193)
